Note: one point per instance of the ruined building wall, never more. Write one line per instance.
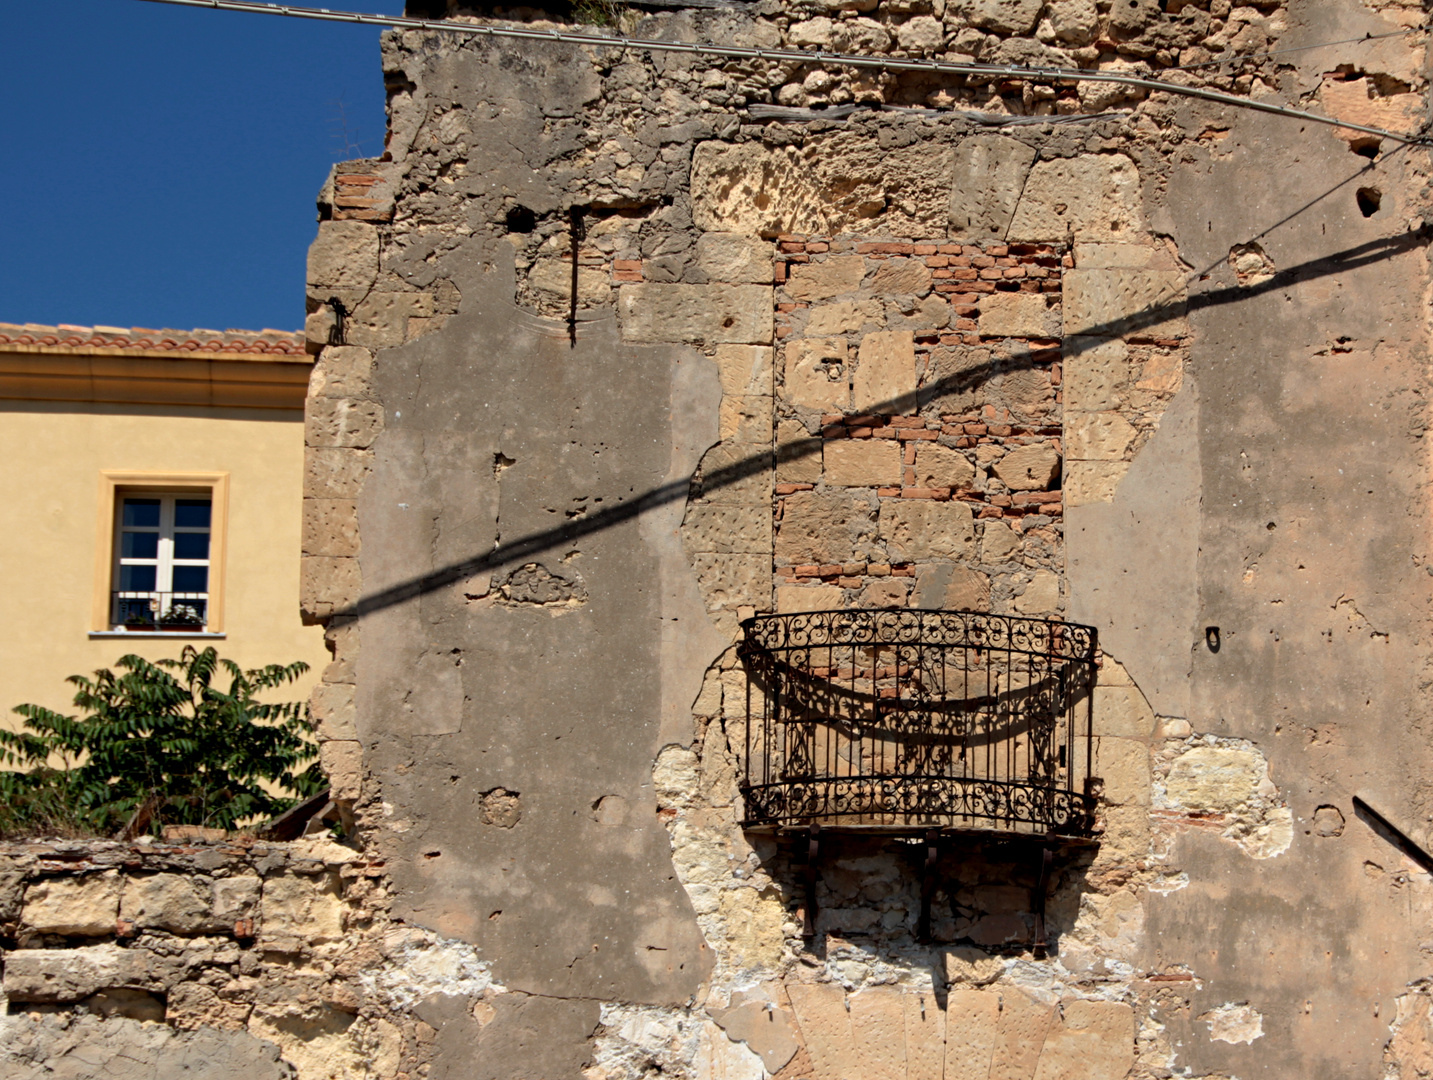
(1139, 362)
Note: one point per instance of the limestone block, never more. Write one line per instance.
(174, 902)
(917, 529)
(1096, 374)
(732, 580)
(885, 377)
(314, 1039)
(1018, 314)
(901, 277)
(342, 763)
(826, 1028)
(85, 906)
(675, 775)
(887, 592)
(1214, 778)
(1005, 16)
(746, 420)
(235, 898)
(1075, 22)
(878, 1028)
(1019, 1036)
(551, 279)
(335, 472)
(1029, 468)
(1122, 711)
(1118, 302)
(380, 319)
(754, 190)
(1088, 482)
(1124, 765)
(798, 454)
(1094, 196)
(998, 542)
(826, 527)
(972, 1018)
(817, 33)
(816, 374)
(925, 1037)
(990, 171)
(1161, 373)
(718, 1057)
(845, 317)
(307, 908)
(1107, 928)
(727, 528)
(1126, 834)
(1041, 595)
(191, 1006)
(73, 974)
(657, 312)
(793, 598)
(754, 920)
(1097, 256)
(737, 473)
(969, 590)
(745, 370)
(862, 462)
(341, 422)
(1093, 1041)
(1098, 436)
(342, 371)
(971, 966)
(330, 527)
(769, 1031)
(1357, 102)
(327, 585)
(835, 276)
(921, 36)
(942, 467)
(333, 709)
(732, 257)
(343, 256)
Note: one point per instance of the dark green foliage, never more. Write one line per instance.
(160, 744)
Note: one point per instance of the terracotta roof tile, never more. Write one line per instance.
(257, 342)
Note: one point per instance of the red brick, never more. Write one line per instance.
(830, 569)
(885, 249)
(794, 237)
(852, 568)
(949, 249)
(626, 264)
(809, 570)
(779, 272)
(939, 494)
(935, 261)
(917, 433)
(788, 489)
(1000, 500)
(910, 454)
(627, 275)
(793, 246)
(859, 432)
(903, 571)
(888, 492)
(907, 421)
(1052, 509)
(992, 273)
(849, 582)
(982, 261)
(989, 512)
(926, 249)
(1014, 272)
(964, 273)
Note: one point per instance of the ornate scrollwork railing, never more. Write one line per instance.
(918, 720)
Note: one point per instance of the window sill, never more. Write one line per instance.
(143, 635)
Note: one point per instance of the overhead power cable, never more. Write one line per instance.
(798, 56)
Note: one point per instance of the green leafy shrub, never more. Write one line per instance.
(160, 744)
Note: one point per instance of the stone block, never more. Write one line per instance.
(990, 171)
(1094, 1040)
(901, 277)
(769, 1031)
(332, 706)
(1124, 303)
(734, 258)
(1096, 374)
(825, 1027)
(732, 580)
(174, 902)
(235, 898)
(1215, 779)
(658, 312)
(886, 592)
(1074, 22)
(1018, 314)
(826, 527)
(925, 1037)
(921, 36)
(1041, 595)
(745, 370)
(878, 1029)
(327, 585)
(751, 189)
(335, 472)
(942, 467)
(342, 763)
(793, 598)
(798, 454)
(1097, 256)
(727, 528)
(1035, 467)
(817, 375)
(380, 320)
(330, 527)
(846, 317)
(754, 919)
(341, 422)
(1124, 766)
(737, 473)
(969, 966)
(1094, 196)
(343, 256)
(342, 371)
(551, 280)
(50, 975)
(968, 590)
(191, 1006)
(1005, 16)
(1019, 1036)
(862, 462)
(1098, 436)
(998, 542)
(917, 529)
(82, 906)
(302, 907)
(746, 421)
(1122, 711)
(972, 1018)
(836, 276)
(885, 377)
(1089, 482)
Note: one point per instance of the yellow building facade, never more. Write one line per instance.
(152, 484)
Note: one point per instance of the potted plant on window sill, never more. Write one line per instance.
(139, 624)
(181, 618)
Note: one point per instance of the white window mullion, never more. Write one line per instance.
(165, 577)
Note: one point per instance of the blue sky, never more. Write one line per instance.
(161, 162)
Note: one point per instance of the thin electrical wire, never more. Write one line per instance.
(799, 56)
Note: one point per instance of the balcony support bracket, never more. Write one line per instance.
(1037, 899)
(927, 885)
(813, 851)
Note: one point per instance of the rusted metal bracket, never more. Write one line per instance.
(927, 885)
(1037, 900)
(577, 231)
(813, 850)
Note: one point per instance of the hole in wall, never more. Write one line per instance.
(1366, 147)
(521, 220)
(1368, 200)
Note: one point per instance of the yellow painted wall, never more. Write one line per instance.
(51, 457)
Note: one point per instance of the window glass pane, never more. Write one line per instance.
(144, 545)
(190, 579)
(191, 545)
(136, 578)
(191, 513)
(145, 513)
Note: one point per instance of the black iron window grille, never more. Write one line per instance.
(915, 721)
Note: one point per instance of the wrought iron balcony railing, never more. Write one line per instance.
(914, 721)
(138, 611)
